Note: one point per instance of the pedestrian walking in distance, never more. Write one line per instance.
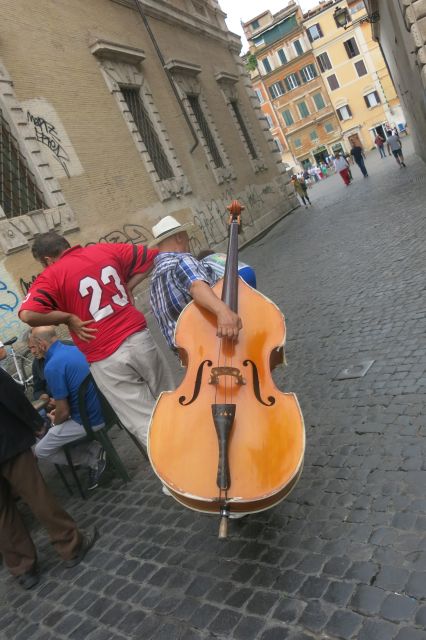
(380, 144)
(301, 189)
(357, 153)
(395, 145)
(341, 166)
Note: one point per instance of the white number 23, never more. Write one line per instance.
(89, 284)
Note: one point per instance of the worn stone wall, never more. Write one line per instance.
(60, 95)
(401, 33)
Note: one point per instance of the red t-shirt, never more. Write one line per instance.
(90, 282)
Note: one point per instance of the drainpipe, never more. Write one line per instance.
(168, 74)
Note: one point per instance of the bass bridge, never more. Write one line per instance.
(218, 372)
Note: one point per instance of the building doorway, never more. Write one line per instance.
(379, 130)
(338, 148)
(320, 154)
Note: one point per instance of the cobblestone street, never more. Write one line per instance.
(345, 555)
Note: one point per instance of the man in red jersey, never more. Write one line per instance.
(89, 290)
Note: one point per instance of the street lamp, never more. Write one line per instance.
(342, 18)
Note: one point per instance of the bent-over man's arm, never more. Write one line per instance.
(228, 322)
(77, 326)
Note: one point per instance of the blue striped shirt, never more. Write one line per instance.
(171, 281)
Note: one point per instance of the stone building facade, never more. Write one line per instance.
(354, 70)
(288, 74)
(115, 113)
(399, 27)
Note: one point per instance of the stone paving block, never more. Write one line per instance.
(416, 585)
(314, 587)
(266, 576)
(29, 631)
(367, 600)
(337, 566)
(339, 593)
(202, 616)
(99, 607)
(275, 633)
(362, 572)
(377, 630)
(67, 624)
(315, 616)
(261, 602)
(224, 622)
(392, 578)
(408, 633)
(248, 628)
(288, 610)
(420, 619)
(83, 630)
(113, 615)
(397, 608)
(344, 624)
(289, 581)
(239, 597)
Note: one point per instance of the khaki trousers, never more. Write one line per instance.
(21, 474)
(131, 379)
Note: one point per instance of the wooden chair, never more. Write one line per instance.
(100, 435)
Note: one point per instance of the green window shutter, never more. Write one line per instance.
(319, 101)
(288, 118)
(303, 109)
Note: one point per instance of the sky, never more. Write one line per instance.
(245, 9)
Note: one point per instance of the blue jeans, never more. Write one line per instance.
(361, 165)
(382, 151)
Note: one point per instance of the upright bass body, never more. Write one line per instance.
(265, 438)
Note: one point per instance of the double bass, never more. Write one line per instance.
(227, 440)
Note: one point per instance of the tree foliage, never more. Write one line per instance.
(251, 62)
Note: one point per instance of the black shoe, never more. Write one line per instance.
(96, 473)
(403, 164)
(89, 539)
(29, 579)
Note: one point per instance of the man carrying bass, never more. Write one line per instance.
(178, 278)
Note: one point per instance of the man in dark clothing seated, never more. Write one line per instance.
(19, 475)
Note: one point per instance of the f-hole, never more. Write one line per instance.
(197, 385)
(256, 386)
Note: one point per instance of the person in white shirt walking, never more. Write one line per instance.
(341, 166)
(394, 145)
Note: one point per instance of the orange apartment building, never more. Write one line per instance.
(291, 91)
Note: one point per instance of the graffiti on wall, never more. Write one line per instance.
(46, 133)
(51, 134)
(129, 233)
(26, 284)
(211, 216)
(9, 302)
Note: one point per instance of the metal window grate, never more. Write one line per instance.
(244, 130)
(18, 191)
(205, 130)
(147, 132)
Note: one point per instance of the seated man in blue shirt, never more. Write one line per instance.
(64, 370)
(178, 278)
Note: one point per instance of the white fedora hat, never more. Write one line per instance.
(167, 227)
